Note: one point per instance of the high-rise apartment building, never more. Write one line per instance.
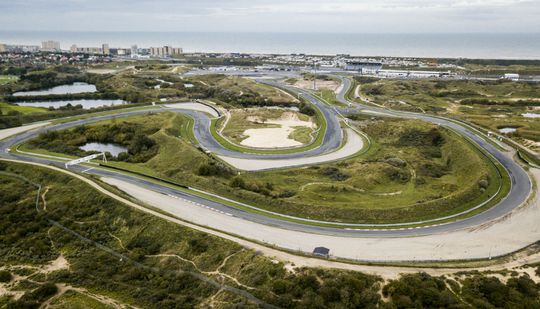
(50, 45)
(165, 51)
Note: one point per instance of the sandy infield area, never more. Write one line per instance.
(275, 137)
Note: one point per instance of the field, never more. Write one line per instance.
(419, 171)
(243, 88)
(6, 108)
(6, 79)
(494, 105)
(88, 250)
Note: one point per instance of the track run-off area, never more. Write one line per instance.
(506, 227)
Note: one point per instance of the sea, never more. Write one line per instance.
(440, 45)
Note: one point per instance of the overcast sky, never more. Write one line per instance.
(369, 16)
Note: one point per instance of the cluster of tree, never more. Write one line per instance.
(373, 90)
(35, 298)
(365, 79)
(266, 189)
(418, 137)
(460, 93)
(39, 78)
(477, 291)
(484, 101)
(215, 168)
(140, 148)
(334, 173)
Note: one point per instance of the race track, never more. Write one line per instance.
(354, 242)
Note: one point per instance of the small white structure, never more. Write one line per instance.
(511, 76)
(86, 159)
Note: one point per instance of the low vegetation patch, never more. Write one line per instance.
(413, 171)
(490, 104)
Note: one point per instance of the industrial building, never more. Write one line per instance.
(363, 67)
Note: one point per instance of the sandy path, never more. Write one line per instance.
(12, 131)
(353, 145)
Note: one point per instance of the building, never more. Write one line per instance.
(22, 48)
(134, 51)
(362, 66)
(105, 49)
(86, 50)
(3, 48)
(165, 51)
(50, 45)
(413, 74)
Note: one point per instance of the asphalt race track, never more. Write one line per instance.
(521, 183)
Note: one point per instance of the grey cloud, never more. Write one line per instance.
(275, 15)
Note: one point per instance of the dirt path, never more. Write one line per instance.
(43, 198)
(216, 272)
(63, 288)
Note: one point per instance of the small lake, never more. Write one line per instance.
(507, 130)
(63, 89)
(531, 115)
(86, 104)
(114, 149)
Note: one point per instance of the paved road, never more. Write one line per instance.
(331, 140)
(519, 192)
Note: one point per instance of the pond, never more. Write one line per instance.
(507, 130)
(114, 149)
(86, 104)
(63, 89)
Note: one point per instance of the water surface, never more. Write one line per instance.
(86, 104)
(507, 130)
(63, 89)
(454, 45)
(114, 149)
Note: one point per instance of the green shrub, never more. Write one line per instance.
(5, 276)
